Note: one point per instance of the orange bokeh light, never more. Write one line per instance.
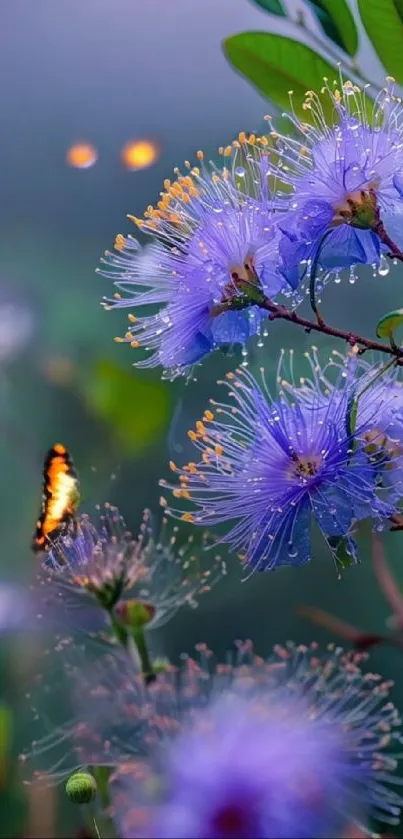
(81, 155)
(138, 154)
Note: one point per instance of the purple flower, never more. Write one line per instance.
(346, 181)
(271, 467)
(15, 608)
(297, 745)
(378, 393)
(213, 243)
(107, 566)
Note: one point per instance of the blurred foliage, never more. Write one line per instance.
(6, 735)
(137, 410)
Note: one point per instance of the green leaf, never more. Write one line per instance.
(273, 6)
(384, 27)
(387, 325)
(275, 65)
(337, 22)
(137, 409)
(399, 8)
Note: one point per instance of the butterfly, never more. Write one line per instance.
(60, 498)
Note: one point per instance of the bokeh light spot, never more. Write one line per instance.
(138, 154)
(81, 155)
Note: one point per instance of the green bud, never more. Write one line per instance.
(81, 788)
(161, 665)
(134, 613)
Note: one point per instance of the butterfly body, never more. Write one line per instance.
(60, 498)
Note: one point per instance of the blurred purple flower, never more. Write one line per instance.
(297, 745)
(106, 565)
(346, 181)
(14, 608)
(17, 323)
(212, 242)
(272, 466)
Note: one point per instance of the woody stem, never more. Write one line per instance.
(394, 251)
(278, 312)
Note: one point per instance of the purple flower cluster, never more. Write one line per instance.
(297, 745)
(211, 241)
(224, 238)
(346, 181)
(270, 466)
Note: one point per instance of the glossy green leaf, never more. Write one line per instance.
(276, 65)
(137, 409)
(384, 27)
(337, 22)
(387, 325)
(273, 6)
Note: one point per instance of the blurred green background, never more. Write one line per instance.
(109, 73)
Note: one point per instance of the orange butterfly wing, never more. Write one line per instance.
(60, 497)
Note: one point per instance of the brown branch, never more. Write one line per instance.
(387, 583)
(395, 252)
(362, 640)
(282, 313)
(397, 522)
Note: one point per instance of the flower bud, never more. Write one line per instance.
(161, 665)
(135, 613)
(81, 788)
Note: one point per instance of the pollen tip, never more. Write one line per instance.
(119, 242)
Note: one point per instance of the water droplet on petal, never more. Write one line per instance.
(383, 267)
(352, 276)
